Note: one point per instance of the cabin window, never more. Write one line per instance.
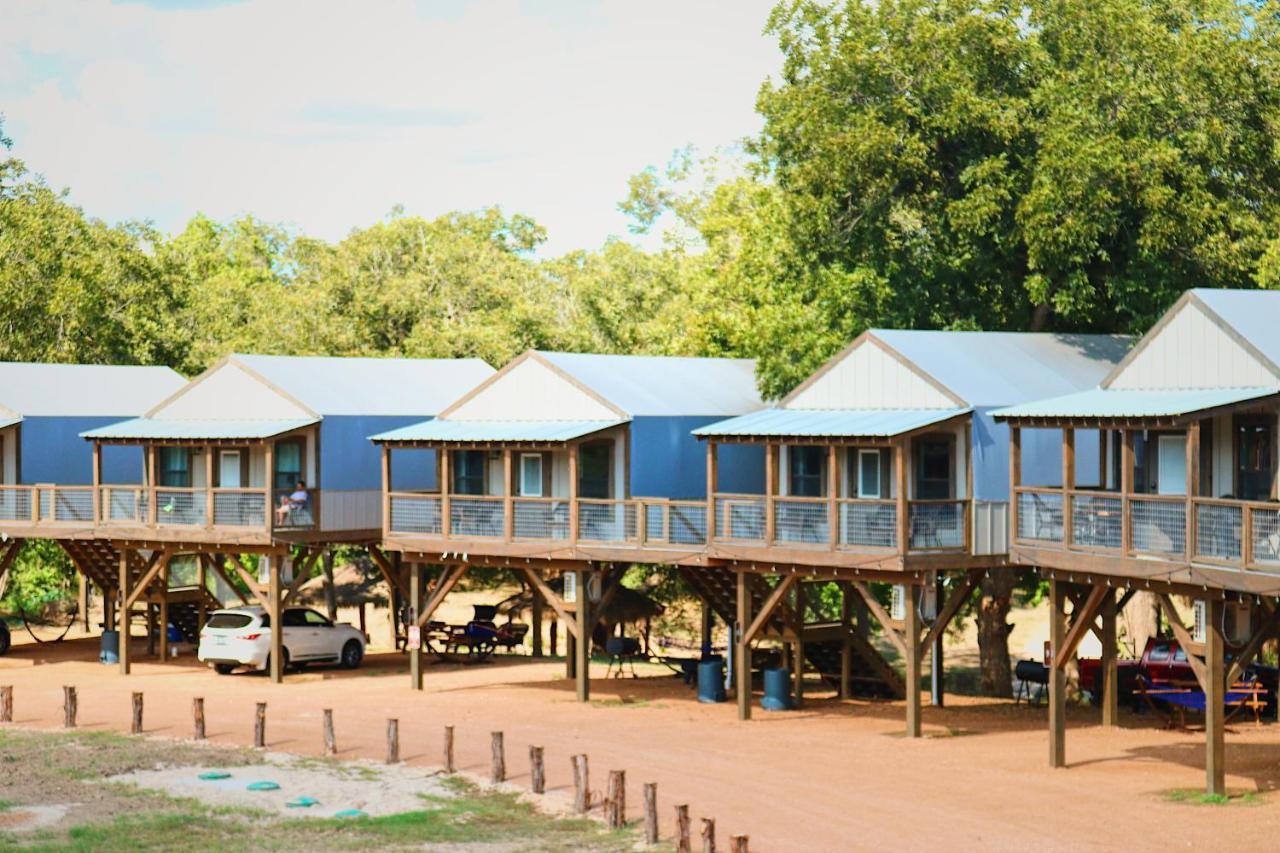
(468, 472)
(933, 468)
(229, 466)
(531, 475)
(1254, 459)
(869, 485)
(175, 467)
(1171, 463)
(288, 464)
(805, 467)
(595, 464)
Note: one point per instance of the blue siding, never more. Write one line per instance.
(52, 451)
(668, 462)
(413, 470)
(348, 459)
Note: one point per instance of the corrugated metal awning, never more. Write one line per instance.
(1104, 403)
(8, 422)
(837, 423)
(158, 429)
(446, 431)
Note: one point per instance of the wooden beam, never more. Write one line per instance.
(770, 604)
(1270, 623)
(1080, 624)
(713, 486)
(1057, 678)
(159, 559)
(886, 622)
(582, 649)
(614, 583)
(248, 578)
(300, 575)
(911, 638)
(1110, 670)
(275, 607)
(448, 580)
(1214, 685)
(952, 606)
(771, 453)
(388, 571)
(1184, 638)
(222, 573)
(10, 554)
(1015, 478)
(742, 648)
(565, 615)
(122, 614)
(903, 517)
(415, 602)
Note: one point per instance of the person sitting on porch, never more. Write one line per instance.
(294, 502)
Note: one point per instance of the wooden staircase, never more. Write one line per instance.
(871, 674)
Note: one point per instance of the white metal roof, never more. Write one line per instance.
(84, 390)
(444, 430)
(828, 423)
(141, 429)
(1134, 403)
(370, 386)
(665, 386)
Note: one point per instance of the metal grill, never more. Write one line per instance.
(1095, 521)
(1158, 527)
(180, 508)
(937, 525)
(1218, 531)
(415, 514)
(15, 504)
(869, 524)
(67, 505)
(480, 517)
(740, 518)
(613, 521)
(803, 522)
(239, 509)
(541, 519)
(1040, 516)
(1266, 535)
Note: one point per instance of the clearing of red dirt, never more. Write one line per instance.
(833, 776)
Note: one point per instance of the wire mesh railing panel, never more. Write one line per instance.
(124, 505)
(1266, 535)
(415, 514)
(67, 505)
(1040, 516)
(239, 509)
(1219, 531)
(1158, 527)
(801, 522)
(540, 519)
(606, 521)
(869, 524)
(480, 517)
(740, 518)
(1096, 521)
(936, 525)
(15, 504)
(180, 508)
(687, 523)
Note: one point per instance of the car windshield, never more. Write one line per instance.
(1159, 652)
(229, 620)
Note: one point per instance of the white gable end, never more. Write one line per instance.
(230, 393)
(868, 377)
(532, 391)
(1192, 351)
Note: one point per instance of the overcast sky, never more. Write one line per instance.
(324, 115)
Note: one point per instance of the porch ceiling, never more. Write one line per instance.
(835, 423)
(449, 431)
(1107, 404)
(157, 429)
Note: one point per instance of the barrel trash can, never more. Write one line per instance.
(777, 689)
(109, 649)
(711, 681)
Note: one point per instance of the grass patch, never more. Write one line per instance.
(1197, 797)
(625, 702)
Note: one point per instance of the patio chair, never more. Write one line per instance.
(1048, 519)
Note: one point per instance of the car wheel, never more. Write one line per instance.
(4, 638)
(352, 654)
(266, 668)
(224, 668)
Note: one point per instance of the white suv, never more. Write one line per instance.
(241, 636)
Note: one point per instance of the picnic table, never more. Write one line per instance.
(1179, 696)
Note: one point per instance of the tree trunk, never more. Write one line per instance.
(1141, 621)
(993, 634)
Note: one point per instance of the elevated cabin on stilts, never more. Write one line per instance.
(1182, 500)
(46, 471)
(885, 465)
(563, 463)
(261, 455)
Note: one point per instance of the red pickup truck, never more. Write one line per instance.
(1162, 660)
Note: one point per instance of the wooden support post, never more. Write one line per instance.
(1214, 699)
(573, 495)
(151, 628)
(386, 491)
(1193, 486)
(713, 486)
(833, 495)
(197, 718)
(581, 782)
(508, 491)
(1126, 489)
(415, 605)
(536, 622)
(1015, 478)
(6, 703)
(163, 611)
(770, 490)
(209, 509)
(1068, 480)
(616, 804)
(122, 613)
(449, 766)
(330, 737)
(260, 726)
(1057, 677)
(276, 611)
(738, 843)
(798, 628)
(68, 707)
(446, 486)
(708, 835)
(153, 480)
(497, 759)
(902, 488)
(268, 484)
(937, 672)
(136, 725)
(911, 636)
(393, 741)
(202, 581)
(97, 483)
(742, 649)
(537, 771)
(1110, 670)
(683, 844)
(582, 650)
(330, 594)
(651, 813)
(846, 645)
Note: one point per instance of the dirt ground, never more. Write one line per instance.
(833, 776)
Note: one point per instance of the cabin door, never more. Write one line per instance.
(229, 469)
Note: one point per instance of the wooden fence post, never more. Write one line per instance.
(197, 714)
(738, 843)
(651, 812)
(68, 707)
(581, 795)
(393, 741)
(498, 759)
(260, 726)
(708, 835)
(537, 771)
(330, 740)
(136, 727)
(616, 805)
(683, 844)
(448, 749)
(6, 703)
